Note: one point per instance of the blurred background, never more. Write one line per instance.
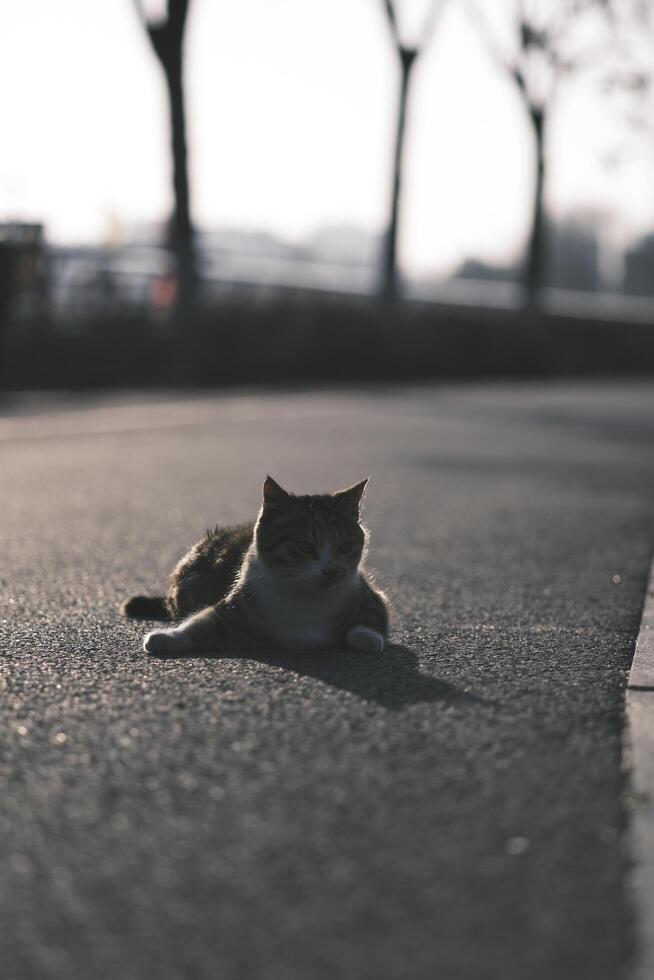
(210, 192)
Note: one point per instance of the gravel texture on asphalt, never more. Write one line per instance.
(454, 808)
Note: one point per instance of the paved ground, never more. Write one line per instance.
(452, 809)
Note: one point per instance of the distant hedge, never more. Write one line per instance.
(298, 338)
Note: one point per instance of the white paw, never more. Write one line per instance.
(365, 640)
(166, 642)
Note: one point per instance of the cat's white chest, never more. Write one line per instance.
(299, 620)
(298, 623)
(305, 634)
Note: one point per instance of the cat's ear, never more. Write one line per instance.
(348, 500)
(273, 494)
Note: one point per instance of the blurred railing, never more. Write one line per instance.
(83, 283)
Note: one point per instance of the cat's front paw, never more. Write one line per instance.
(365, 640)
(165, 642)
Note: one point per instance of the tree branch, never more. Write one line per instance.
(434, 13)
(177, 13)
(392, 21)
(166, 36)
(493, 48)
(140, 12)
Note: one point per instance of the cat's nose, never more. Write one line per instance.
(330, 574)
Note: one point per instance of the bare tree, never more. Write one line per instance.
(551, 42)
(407, 55)
(167, 39)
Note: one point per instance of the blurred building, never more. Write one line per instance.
(639, 268)
(572, 261)
(23, 270)
(479, 271)
(574, 257)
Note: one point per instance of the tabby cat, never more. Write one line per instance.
(292, 580)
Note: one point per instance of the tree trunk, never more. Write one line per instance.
(181, 227)
(536, 254)
(389, 283)
(167, 39)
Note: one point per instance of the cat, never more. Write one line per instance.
(292, 579)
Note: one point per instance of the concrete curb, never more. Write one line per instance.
(640, 755)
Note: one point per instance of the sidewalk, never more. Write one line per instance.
(452, 809)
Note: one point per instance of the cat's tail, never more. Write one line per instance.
(146, 607)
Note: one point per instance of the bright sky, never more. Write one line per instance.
(291, 115)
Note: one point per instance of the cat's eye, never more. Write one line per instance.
(347, 548)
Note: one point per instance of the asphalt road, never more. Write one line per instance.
(454, 808)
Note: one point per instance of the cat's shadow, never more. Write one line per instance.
(392, 679)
